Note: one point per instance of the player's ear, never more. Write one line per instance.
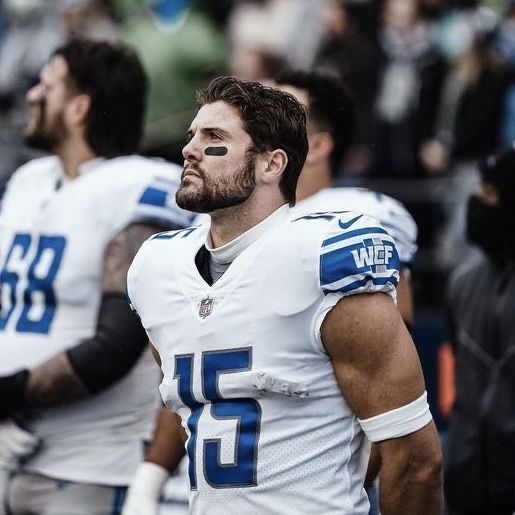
(321, 145)
(275, 163)
(79, 109)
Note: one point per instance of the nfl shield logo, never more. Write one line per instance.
(206, 307)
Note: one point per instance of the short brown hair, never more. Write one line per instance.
(273, 119)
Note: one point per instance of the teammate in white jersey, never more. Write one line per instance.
(330, 131)
(75, 368)
(262, 320)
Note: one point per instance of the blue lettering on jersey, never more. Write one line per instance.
(49, 254)
(375, 253)
(247, 413)
(172, 234)
(184, 373)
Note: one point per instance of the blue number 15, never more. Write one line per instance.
(247, 412)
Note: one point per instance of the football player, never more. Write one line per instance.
(77, 389)
(331, 121)
(278, 335)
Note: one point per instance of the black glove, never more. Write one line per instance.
(12, 393)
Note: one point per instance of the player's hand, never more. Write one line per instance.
(15, 444)
(138, 505)
(145, 490)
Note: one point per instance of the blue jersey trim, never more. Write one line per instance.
(338, 264)
(356, 285)
(154, 197)
(370, 231)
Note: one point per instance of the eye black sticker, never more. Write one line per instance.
(215, 151)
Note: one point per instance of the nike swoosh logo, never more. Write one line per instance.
(346, 225)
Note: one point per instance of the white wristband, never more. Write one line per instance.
(398, 422)
(149, 480)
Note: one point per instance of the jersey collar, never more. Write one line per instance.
(229, 252)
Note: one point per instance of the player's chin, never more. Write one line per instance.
(188, 197)
(31, 127)
(34, 119)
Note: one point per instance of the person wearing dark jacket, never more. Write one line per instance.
(480, 449)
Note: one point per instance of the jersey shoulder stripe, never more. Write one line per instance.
(156, 203)
(358, 257)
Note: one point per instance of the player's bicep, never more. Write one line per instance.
(373, 356)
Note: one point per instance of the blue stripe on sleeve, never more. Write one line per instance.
(154, 197)
(356, 285)
(369, 231)
(338, 264)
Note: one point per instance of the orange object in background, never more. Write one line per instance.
(446, 391)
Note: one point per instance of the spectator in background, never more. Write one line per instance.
(347, 52)
(32, 30)
(265, 37)
(480, 447)
(410, 77)
(470, 111)
(431, 9)
(181, 48)
(468, 118)
(91, 19)
(504, 46)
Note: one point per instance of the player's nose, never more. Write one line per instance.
(34, 94)
(192, 151)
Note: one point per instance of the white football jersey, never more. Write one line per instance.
(390, 212)
(53, 236)
(244, 366)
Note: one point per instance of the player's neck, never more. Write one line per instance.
(228, 224)
(313, 179)
(72, 155)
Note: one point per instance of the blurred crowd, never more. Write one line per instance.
(432, 79)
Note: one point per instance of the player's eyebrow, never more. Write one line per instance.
(209, 131)
(217, 131)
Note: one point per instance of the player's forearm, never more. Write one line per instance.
(54, 382)
(413, 491)
(411, 482)
(167, 446)
(50, 384)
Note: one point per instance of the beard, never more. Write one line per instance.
(214, 195)
(45, 138)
